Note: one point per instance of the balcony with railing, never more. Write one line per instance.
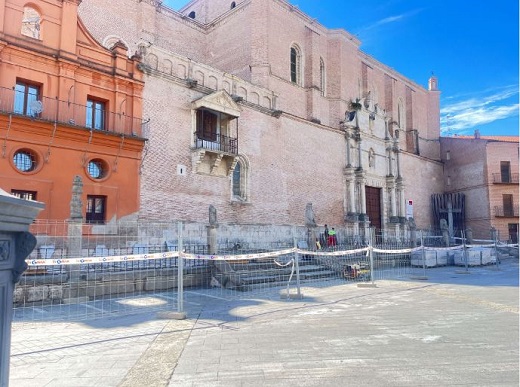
(214, 155)
(501, 178)
(216, 143)
(506, 212)
(67, 113)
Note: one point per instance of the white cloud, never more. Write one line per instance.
(480, 109)
(390, 19)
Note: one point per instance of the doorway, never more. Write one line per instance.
(513, 232)
(373, 200)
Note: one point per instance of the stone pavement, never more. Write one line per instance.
(452, 329)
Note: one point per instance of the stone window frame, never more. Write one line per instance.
(27, 95)
(240, 188)
(26, 160)
(296, 64)
(97, 169)
(97, 121)
(323, 79)
(93, 213)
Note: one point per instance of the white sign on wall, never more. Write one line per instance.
(409, 208)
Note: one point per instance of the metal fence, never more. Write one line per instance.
(131, 268)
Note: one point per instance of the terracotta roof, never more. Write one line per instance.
(492, 138)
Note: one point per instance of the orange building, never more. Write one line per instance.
(68, 107)
(485, 170)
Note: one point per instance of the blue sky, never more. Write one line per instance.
(471, 46)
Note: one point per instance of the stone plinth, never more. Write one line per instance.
(16, 243)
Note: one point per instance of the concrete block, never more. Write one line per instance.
(160, 283)
(430, 258)
(18, 295)
(442, 257)
(55, 292)
(37, 293)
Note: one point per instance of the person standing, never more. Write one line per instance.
(326, 237)
(332, 238)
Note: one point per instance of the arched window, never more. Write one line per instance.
(322, 77)
(233, 4)
(240, 180)
(237, 191)
(192, 14)
(110, 40)
(31, 23)
(296, 60)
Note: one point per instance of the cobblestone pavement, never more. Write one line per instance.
(452, 329)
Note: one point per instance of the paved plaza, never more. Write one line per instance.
(452, 329)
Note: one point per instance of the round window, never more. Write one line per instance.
(97, 169)
(25, 160)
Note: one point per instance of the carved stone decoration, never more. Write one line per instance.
(219, 101)
(25, 242)
(4, 250)
(76, 211)
(368, 100)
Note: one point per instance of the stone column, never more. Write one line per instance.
(310, 223)
(360, 180)
(360, 156)
(351, 215)
(469, 236)
(16, 243)
(390, 167)
(363, 198)
(398, 163)
(390, 183)
(212, 230)
(348, 138)
(400, 200)
(74, 227)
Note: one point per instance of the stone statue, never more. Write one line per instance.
(309, 216)
(212, 215)
(445, 232)
(469, 236)
(413, 231)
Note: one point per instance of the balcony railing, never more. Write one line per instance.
(217, 143)
(68, 113)
(506, 212)
(499, 178)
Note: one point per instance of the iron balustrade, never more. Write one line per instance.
(499, 178)
(218, 143)
(68, 113)
(506, 212)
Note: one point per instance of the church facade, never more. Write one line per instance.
(258, 110)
